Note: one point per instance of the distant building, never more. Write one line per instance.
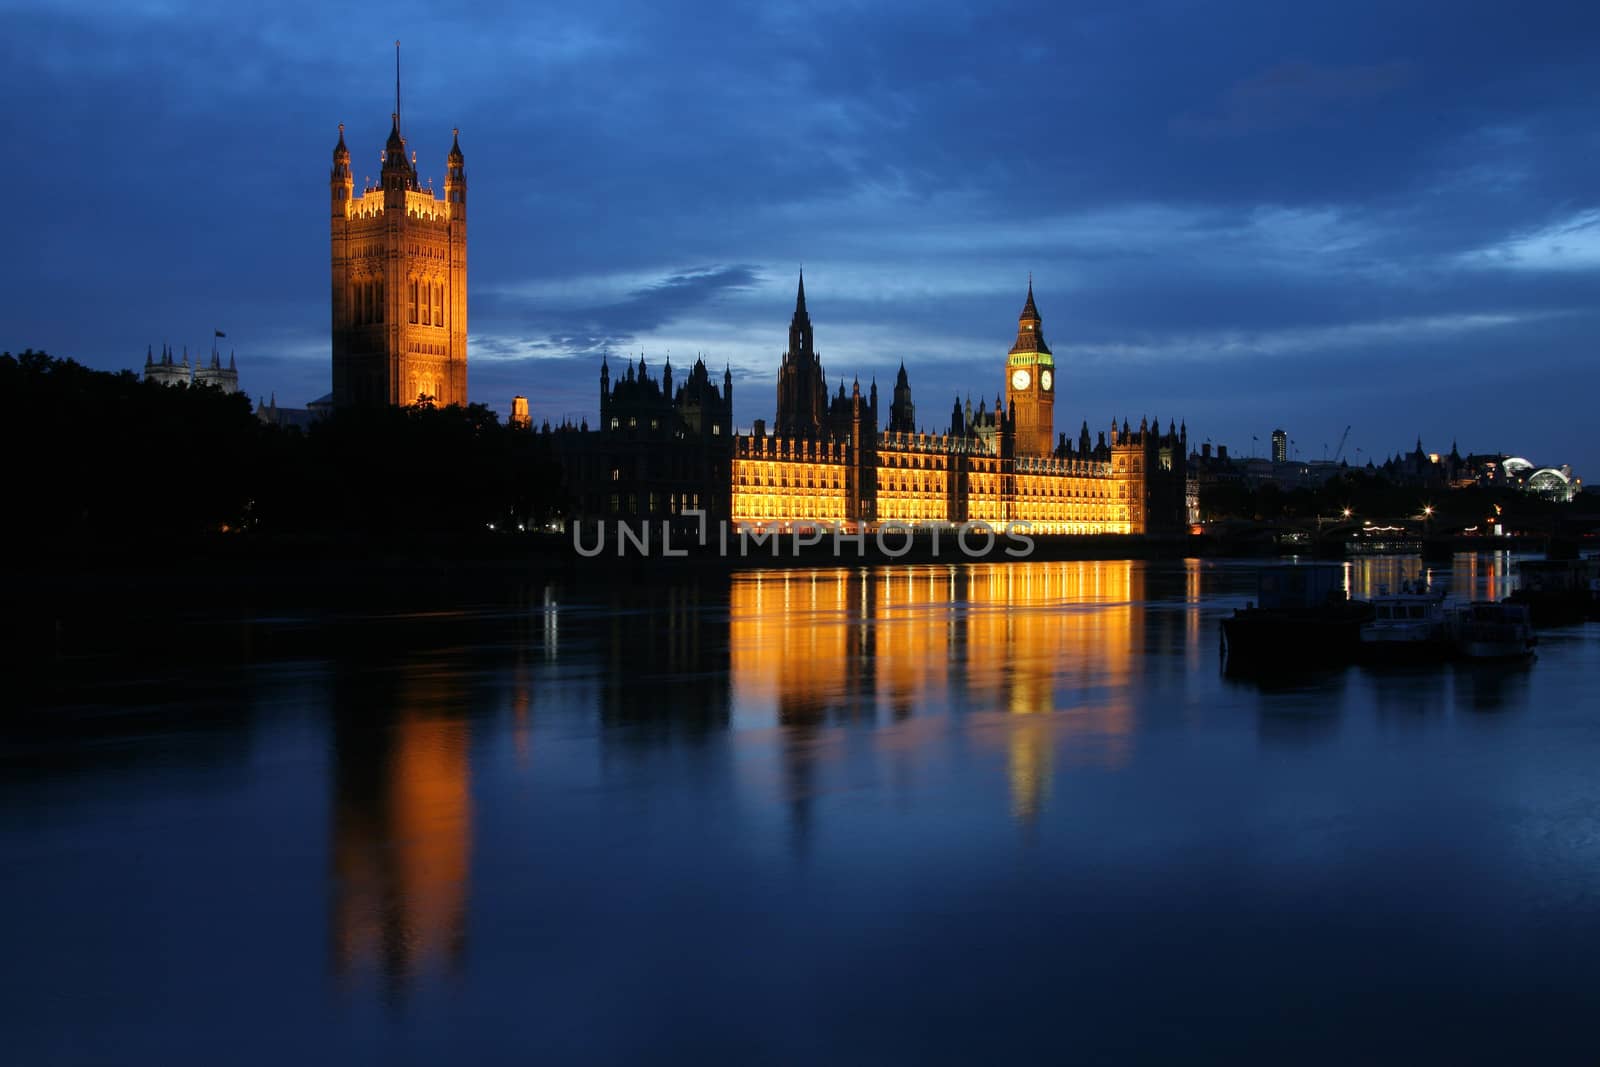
(1553, 483)
(270, 413)
(213, 375)
(1280, 446)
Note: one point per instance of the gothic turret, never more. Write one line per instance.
(341, 185)
(802, 388)
(398, 173)
(455, 178)
(902, 412)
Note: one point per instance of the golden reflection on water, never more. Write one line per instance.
(1467, 575)
(1039, 657)
(402, 832)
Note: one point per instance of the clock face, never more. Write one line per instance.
(1045, 380)
(1019, 379)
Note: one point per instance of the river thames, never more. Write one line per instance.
(978, 813)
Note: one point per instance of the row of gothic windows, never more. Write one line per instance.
(783, 481)
(426, 304)
(366, 303)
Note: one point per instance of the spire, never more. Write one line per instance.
(800, 295)
(149, 355)
(455, 146)
(1030, 338)
(341, 154)
(397, 87)
(231, 364)
(394, 149)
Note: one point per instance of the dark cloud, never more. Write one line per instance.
(1294, 94)
(595, 329)
(1249, 213)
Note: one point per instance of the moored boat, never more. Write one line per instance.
(1486, 629)
(1410, 626)
(1559, 592)
(1301, 618)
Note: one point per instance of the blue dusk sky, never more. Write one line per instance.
(1246, 215)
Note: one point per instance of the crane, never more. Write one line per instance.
(1342, 439)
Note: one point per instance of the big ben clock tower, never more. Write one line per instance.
(1030, 384)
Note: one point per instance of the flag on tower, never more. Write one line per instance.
(221, 334)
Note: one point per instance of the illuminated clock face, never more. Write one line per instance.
(1046, 379)
(1019, 379)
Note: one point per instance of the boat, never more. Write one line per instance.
(1487, 629)
(1301, 617)
(1410, 626)
(1558, 592)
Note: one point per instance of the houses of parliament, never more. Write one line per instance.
(662, 450)
(664, 447)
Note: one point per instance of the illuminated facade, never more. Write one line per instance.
(660, 452)
(832, 462)
(399, 280)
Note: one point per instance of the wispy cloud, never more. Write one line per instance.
(1572, 244)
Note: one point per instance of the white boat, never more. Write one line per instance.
(1487, 629)
(1411, 625)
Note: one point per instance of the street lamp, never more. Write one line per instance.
(1345, 513)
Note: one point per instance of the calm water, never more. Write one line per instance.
(978, 814)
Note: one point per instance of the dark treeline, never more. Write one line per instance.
(109, 461)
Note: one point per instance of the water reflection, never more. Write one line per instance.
(1492, 687)
(1040, 657)
(663, 664)
(576, 795)
(402, 824)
